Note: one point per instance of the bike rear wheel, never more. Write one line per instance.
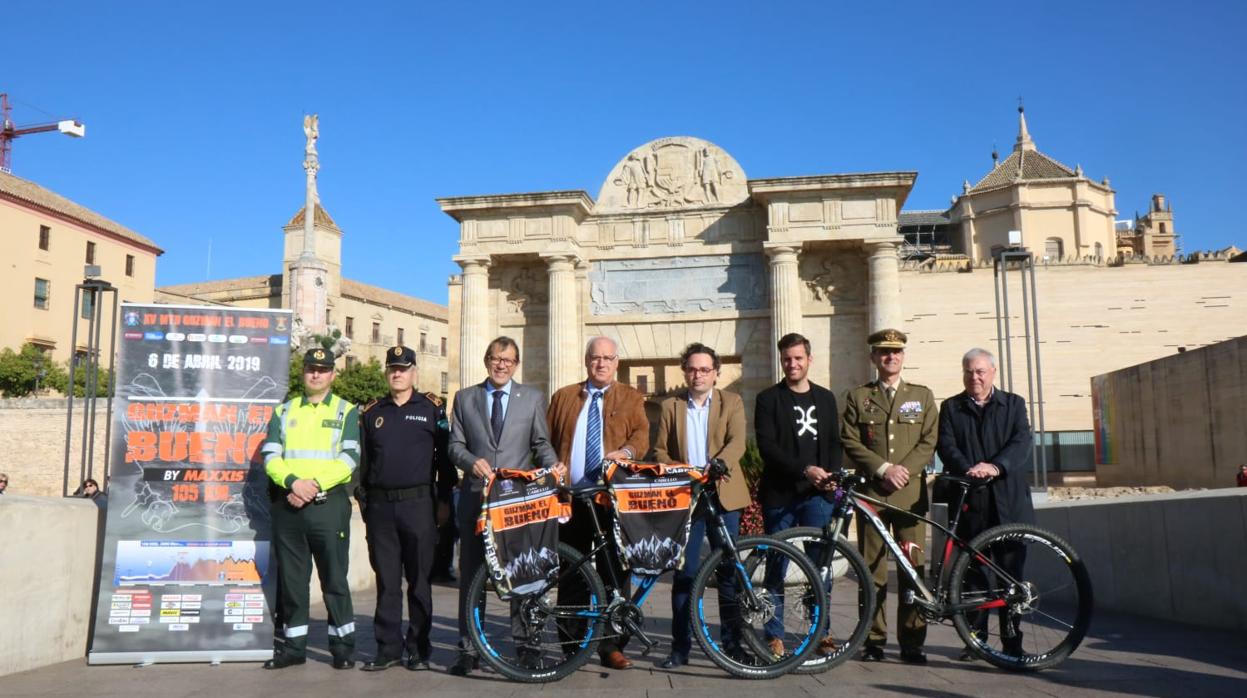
(520, 637)
(742, 625)
(850, 601)
(1042, 613)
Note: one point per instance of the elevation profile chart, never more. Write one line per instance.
(190, 562)
(185, 567)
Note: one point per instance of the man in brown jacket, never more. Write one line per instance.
(700, 423)
(889, 432)
(589, 422)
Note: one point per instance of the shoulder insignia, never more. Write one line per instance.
(433, 398)
(369, 406)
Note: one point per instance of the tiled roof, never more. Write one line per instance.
(270, 281)
(376, 294)
(931, 217)
(322, 217)
(1032, 165)
(26, 191)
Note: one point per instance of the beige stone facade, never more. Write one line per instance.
(679, 246)
(675, 250)
(48, 240)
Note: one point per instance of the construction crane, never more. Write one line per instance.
(8, 132)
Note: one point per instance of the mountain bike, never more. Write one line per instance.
(532, 637)
(1033, 580)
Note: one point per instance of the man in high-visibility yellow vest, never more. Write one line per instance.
(311, 452)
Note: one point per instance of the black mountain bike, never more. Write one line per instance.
(1031, 579)
(533, 638)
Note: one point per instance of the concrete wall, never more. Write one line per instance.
(1176, 421)
(1177, 557)
(46, 581)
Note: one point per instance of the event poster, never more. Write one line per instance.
(186, 544)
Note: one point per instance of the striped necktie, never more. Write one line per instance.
(593, 438)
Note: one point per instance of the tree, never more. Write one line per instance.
(358, 383)
(29, 370)
(60, 381)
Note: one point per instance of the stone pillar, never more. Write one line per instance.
(885, 286)
(785, 298)
(472, 318)
(563, 331)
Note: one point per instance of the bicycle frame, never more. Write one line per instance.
(846, 500)
(647, 582)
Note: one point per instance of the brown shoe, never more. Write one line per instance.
(776, 646)
(827, 646)
(616, 660)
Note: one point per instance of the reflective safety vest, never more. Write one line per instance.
(318, 441)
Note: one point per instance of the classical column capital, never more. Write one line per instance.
(560, 261)
(472, 263)
(781, 252)
(881, 247)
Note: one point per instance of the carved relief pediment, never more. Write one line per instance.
(831, 277)
(672, 173)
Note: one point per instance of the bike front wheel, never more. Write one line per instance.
(1036, 586)
(850, 597)
(758, 629)
(534, 638)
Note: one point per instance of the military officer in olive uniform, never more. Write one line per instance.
(406, 481)
(889, 432)
(311, 453)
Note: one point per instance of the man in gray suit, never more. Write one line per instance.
(495, 424)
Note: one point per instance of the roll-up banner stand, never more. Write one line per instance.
(186, 544)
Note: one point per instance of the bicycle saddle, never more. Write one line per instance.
(967, 482)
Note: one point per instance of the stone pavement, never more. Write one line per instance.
(1122, 655)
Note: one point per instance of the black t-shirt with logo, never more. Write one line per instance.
(806, 421)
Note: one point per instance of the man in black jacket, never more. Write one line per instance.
(798, 430)
(984, 434)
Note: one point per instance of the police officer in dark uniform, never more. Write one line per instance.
(405, 488)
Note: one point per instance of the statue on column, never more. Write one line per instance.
(311, 129)
(311, 160)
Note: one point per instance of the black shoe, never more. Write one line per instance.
(281, 661)
(871, 653)
(415, 663)
(674, 660)
(966, 656)
(343, 663)
(912, 655)
(529, 659)
(380, 664)
(466, 665)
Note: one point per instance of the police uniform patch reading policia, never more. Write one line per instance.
(520, 516)
(653, 511)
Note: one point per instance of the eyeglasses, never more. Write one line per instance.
(603, 358)
(700, 370)
(502, 361)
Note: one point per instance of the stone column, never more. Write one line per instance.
(885, 286)
(785, 298)
(473, 315)
(563, 331)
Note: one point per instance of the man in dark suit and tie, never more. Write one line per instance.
(495, 424)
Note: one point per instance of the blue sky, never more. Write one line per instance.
(194, 132)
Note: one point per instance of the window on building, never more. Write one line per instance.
(43, 291)
(45, 237)
(642, 384)
(1054, 249)
(424, 342)
(90, 253)
(88, 304)
(1163, 229)
(443, 346)
(129, 265)
(376, 333)
(445, 382)
(400, 336)
(1099, 251)
(350, 328)
(351, 361)
(328, 319)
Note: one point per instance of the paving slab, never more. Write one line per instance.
(1123, 655)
